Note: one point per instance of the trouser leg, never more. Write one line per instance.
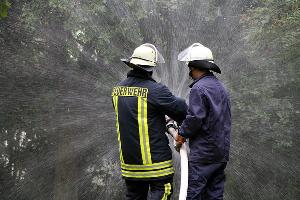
(162, 189)
(196, 181)
(136, 190)
(206, 181)
(215, 185)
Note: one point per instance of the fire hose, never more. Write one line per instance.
(172, 129)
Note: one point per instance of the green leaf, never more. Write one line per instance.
(4, 6)
(3, 13)
(8, 4)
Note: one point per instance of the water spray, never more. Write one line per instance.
(172, 129)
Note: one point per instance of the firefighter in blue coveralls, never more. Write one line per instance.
(207, 126)
(141, 104)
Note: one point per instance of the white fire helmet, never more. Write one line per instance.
(197, 55)
(145, 56)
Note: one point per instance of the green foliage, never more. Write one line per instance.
(272, 35)
(4, 7)
(60, 46)
(268, 98)
(277, 23)
(61, 59)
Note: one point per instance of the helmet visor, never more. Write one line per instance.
(185, 55)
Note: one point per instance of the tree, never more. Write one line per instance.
(4, 7)
(60, 59)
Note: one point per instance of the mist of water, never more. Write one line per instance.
(60, 59)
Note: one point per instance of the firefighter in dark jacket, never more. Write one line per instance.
(140, 105)
(207, 126)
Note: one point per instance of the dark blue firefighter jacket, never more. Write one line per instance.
(208, 123)
(141, 105)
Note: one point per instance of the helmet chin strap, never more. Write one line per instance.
(191, 74)
(197, 75)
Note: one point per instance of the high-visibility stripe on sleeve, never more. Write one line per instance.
(148, 174)
(167, 193)
(154, 166)
(143, 131)
(115, 101)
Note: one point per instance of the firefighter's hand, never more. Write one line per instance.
(179, 141)
(171, 127)
(170, 122)
(167, 118)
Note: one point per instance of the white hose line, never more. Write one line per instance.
(184, 172)
(183, 165)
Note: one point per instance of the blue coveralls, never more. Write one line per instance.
(208, 126)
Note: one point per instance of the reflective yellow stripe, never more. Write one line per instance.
(148, 174)
(167, 193)
(146, 131)
(115, 101)
(143, 131)
(153, 166)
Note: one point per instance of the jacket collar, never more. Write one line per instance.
(140, 74)
(204, 75)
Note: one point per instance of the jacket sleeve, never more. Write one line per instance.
(196, 113)
(174, 107)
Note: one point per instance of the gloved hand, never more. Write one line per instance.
(170, 123)
(179, 141)
(172, 129)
